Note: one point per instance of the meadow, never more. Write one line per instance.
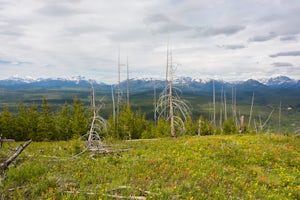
(265, 166)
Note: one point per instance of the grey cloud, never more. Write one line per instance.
(288, 53)
(157, 18)
(63, 1)
(11, 30)
(2, 5)
(262, 38)
(130, 35)
(79, 30)
(288, 38)
(7, 62)
(58, 11)
(233, 47)
(160, 23)
(10, 33)
(282, 64)
(172, 27)
(226, 30)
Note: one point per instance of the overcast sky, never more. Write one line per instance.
(224, 39)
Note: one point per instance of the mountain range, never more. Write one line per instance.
(269, 94)
(139, 84)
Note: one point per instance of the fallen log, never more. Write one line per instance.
(5, 140)
(5, 164)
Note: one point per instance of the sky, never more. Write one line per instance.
(220, 39)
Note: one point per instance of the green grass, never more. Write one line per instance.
(213, 167)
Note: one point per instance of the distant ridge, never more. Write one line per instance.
(184, 83)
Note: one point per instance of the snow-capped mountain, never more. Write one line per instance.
(145, 83)
(28, 82)
(281, 81)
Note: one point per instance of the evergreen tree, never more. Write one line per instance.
(126, 123)
(79, 123)
(162, 128)
(7, 124)
(111, 128)
(63, 123)
(22, 123)
(191, 127)
(229, 127)
(140, 125)
(33, 120)
(46, 128)
(206, 127)
(150, 131)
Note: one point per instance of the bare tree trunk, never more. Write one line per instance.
(199, 127)
(221, 110)
(119, 90)
(279, 118)
(113, 102)
(167, 80)
(232, 103)
(260, 122)
(5, 164)
(234, 106)
(225, 106)
(255, 126)
(242, 124)
(128, 94)
(249, 122)
(94, 116)
(171, 102)
(154, 103)
(262, 126)
(214, 105)
(171, 113)
(98, 126)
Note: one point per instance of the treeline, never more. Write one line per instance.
(40, 123)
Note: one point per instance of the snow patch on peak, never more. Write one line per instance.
(280, 80)
(17, 78)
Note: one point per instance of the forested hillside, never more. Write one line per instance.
(57, 110)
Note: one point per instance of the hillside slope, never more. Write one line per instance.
(214, 167)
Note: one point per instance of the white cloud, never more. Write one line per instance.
(82, 37)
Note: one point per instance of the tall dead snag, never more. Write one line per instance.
(127, 87)
(242, 130)
(251, 109)
(113, 105)
(167, 80)
(221, 110)
(170, 104)
(267, 120)
(20, 148)
(154, 103)
(225, 106)
(199, 127)
(234, 115)
(119, 89)
(279, 118)
(214, 105)
(98, 126)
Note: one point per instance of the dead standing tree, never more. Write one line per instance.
(169, 104)
(98, 126)
(95, 140)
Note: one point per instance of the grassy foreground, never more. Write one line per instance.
(214, 167)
